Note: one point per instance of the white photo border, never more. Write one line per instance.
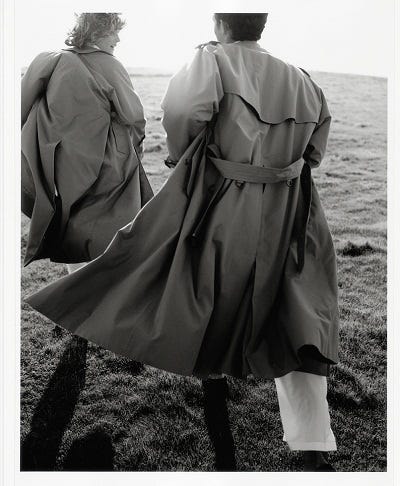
(10, 285)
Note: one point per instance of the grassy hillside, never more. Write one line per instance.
(84, 407)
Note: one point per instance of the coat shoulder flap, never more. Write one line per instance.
(275, 89)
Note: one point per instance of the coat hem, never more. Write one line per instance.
(189, 372)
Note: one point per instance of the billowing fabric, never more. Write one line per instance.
(82, 129)
(217, 287)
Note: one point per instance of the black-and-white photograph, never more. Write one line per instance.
(203, 236)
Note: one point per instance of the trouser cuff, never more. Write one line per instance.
(312, 446)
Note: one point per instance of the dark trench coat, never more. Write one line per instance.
(82, 129)
(230, 268)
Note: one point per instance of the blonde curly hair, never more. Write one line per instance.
(92, 26)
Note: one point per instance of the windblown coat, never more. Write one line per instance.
(238, 271)
(82, 129)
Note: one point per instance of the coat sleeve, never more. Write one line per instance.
(191, 99)
(316, 146)
(127, 104)
(35, 80)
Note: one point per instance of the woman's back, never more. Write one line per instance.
(83, 125)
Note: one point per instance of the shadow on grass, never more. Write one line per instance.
(347, 392)
(93, 452)
(55, 409)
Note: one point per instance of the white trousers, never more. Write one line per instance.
(304, 411)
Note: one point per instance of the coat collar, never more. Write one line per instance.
(251, 45)
(86, 50)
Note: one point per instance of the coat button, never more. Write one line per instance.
(289, 182)
(239, 183)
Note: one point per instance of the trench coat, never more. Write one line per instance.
(238, 271)
(82, 133)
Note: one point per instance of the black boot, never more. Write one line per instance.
(316, 461)
(217, 421)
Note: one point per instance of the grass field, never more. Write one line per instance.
(85, 408)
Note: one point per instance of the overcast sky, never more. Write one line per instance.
(349, 36)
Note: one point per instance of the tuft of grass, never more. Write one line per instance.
(354, 250)
(83, 407)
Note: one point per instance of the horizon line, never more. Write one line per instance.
(143, 71)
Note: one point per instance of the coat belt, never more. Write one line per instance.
(255, 174)
(246, 173)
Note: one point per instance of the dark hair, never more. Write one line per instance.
(92, 26)
(244, 26)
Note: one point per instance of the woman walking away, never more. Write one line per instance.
(82, 134)
(238, 274)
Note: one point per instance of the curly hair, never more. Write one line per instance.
(92, 26)
(244, 26)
